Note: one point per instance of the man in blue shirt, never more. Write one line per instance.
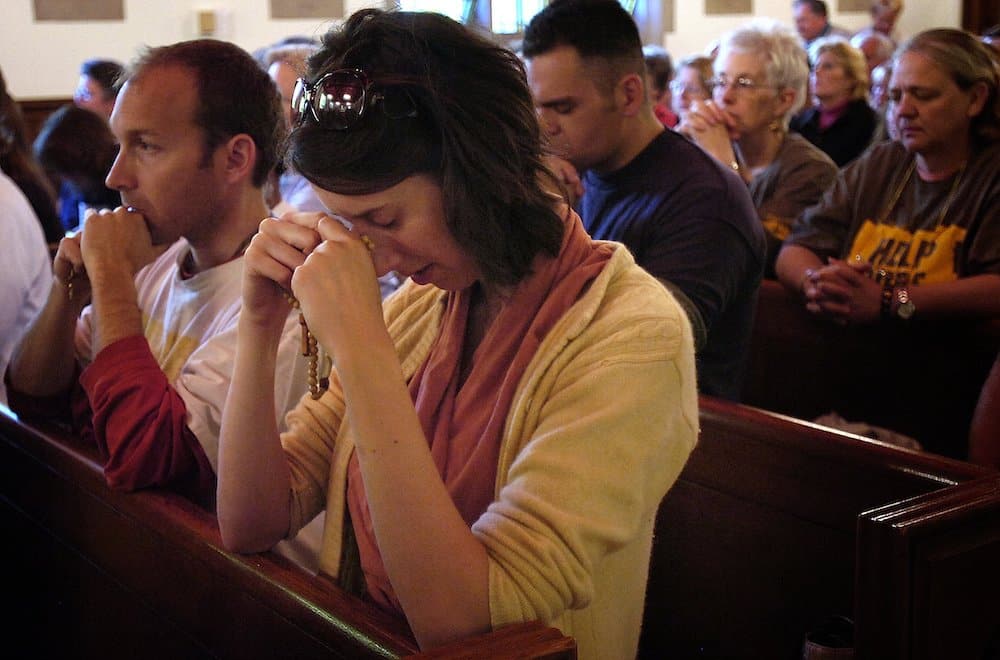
(688, 221)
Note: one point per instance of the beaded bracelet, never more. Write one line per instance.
(885, 306)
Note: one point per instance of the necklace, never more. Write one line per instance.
(902, 186)
(187, 268)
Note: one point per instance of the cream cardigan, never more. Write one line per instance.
(601, 425)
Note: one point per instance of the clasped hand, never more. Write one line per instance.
(843, 292)
(325, 266)
(116, 243)
(709, 126)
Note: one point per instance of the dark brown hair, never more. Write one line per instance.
(474, 130)
(18, 162)
(77, 144)
(601, 31)
(234, 95)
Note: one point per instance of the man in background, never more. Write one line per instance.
(688, 221)
(876, 47)
(885, 14)
(812, 21)
(96, 91)
(98, 86)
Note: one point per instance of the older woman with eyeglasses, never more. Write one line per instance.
(760, 75)
(912, 228)
(840, 122)
(472, 448)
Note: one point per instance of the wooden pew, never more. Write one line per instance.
(776, 524)
(98, 573)
(920, 378)
(36, 111)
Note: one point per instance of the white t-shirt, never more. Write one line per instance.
(25, 271)
(190, 325)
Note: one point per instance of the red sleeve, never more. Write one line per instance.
(139, 423)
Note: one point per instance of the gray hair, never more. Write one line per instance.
(885, 44)
(780, 48)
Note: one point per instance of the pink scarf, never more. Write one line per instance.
(828, 117)
(464, 425)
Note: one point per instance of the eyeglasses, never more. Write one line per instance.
(740, 83)
(82, 93)
(679, 88)
(340, 98)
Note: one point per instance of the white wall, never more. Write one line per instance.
(695, 31)
(41, 60)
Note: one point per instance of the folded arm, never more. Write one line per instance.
(140, 422)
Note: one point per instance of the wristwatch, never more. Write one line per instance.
(904, 306)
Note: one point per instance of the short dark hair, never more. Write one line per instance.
(234, 95)
(474, 130)
(817, 7)
(106, 73)
(74, 141)
(598, 29)
(659, 66)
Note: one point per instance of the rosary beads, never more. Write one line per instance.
(310, 347)
(69, 282)
(310, 350)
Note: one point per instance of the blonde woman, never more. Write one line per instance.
(840, 121)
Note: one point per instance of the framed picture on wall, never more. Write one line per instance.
(307, 8)
(79, 10)
(853, 5)
(713, 7)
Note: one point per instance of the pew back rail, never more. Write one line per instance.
(99, 573)
(758, 542)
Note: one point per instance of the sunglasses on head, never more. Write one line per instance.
(339, 99)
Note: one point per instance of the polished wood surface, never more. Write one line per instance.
(774, 525)
(920, 378)
(98, 573)
(758, 542)
(36, 111)
(928, 576)
(979, 15)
